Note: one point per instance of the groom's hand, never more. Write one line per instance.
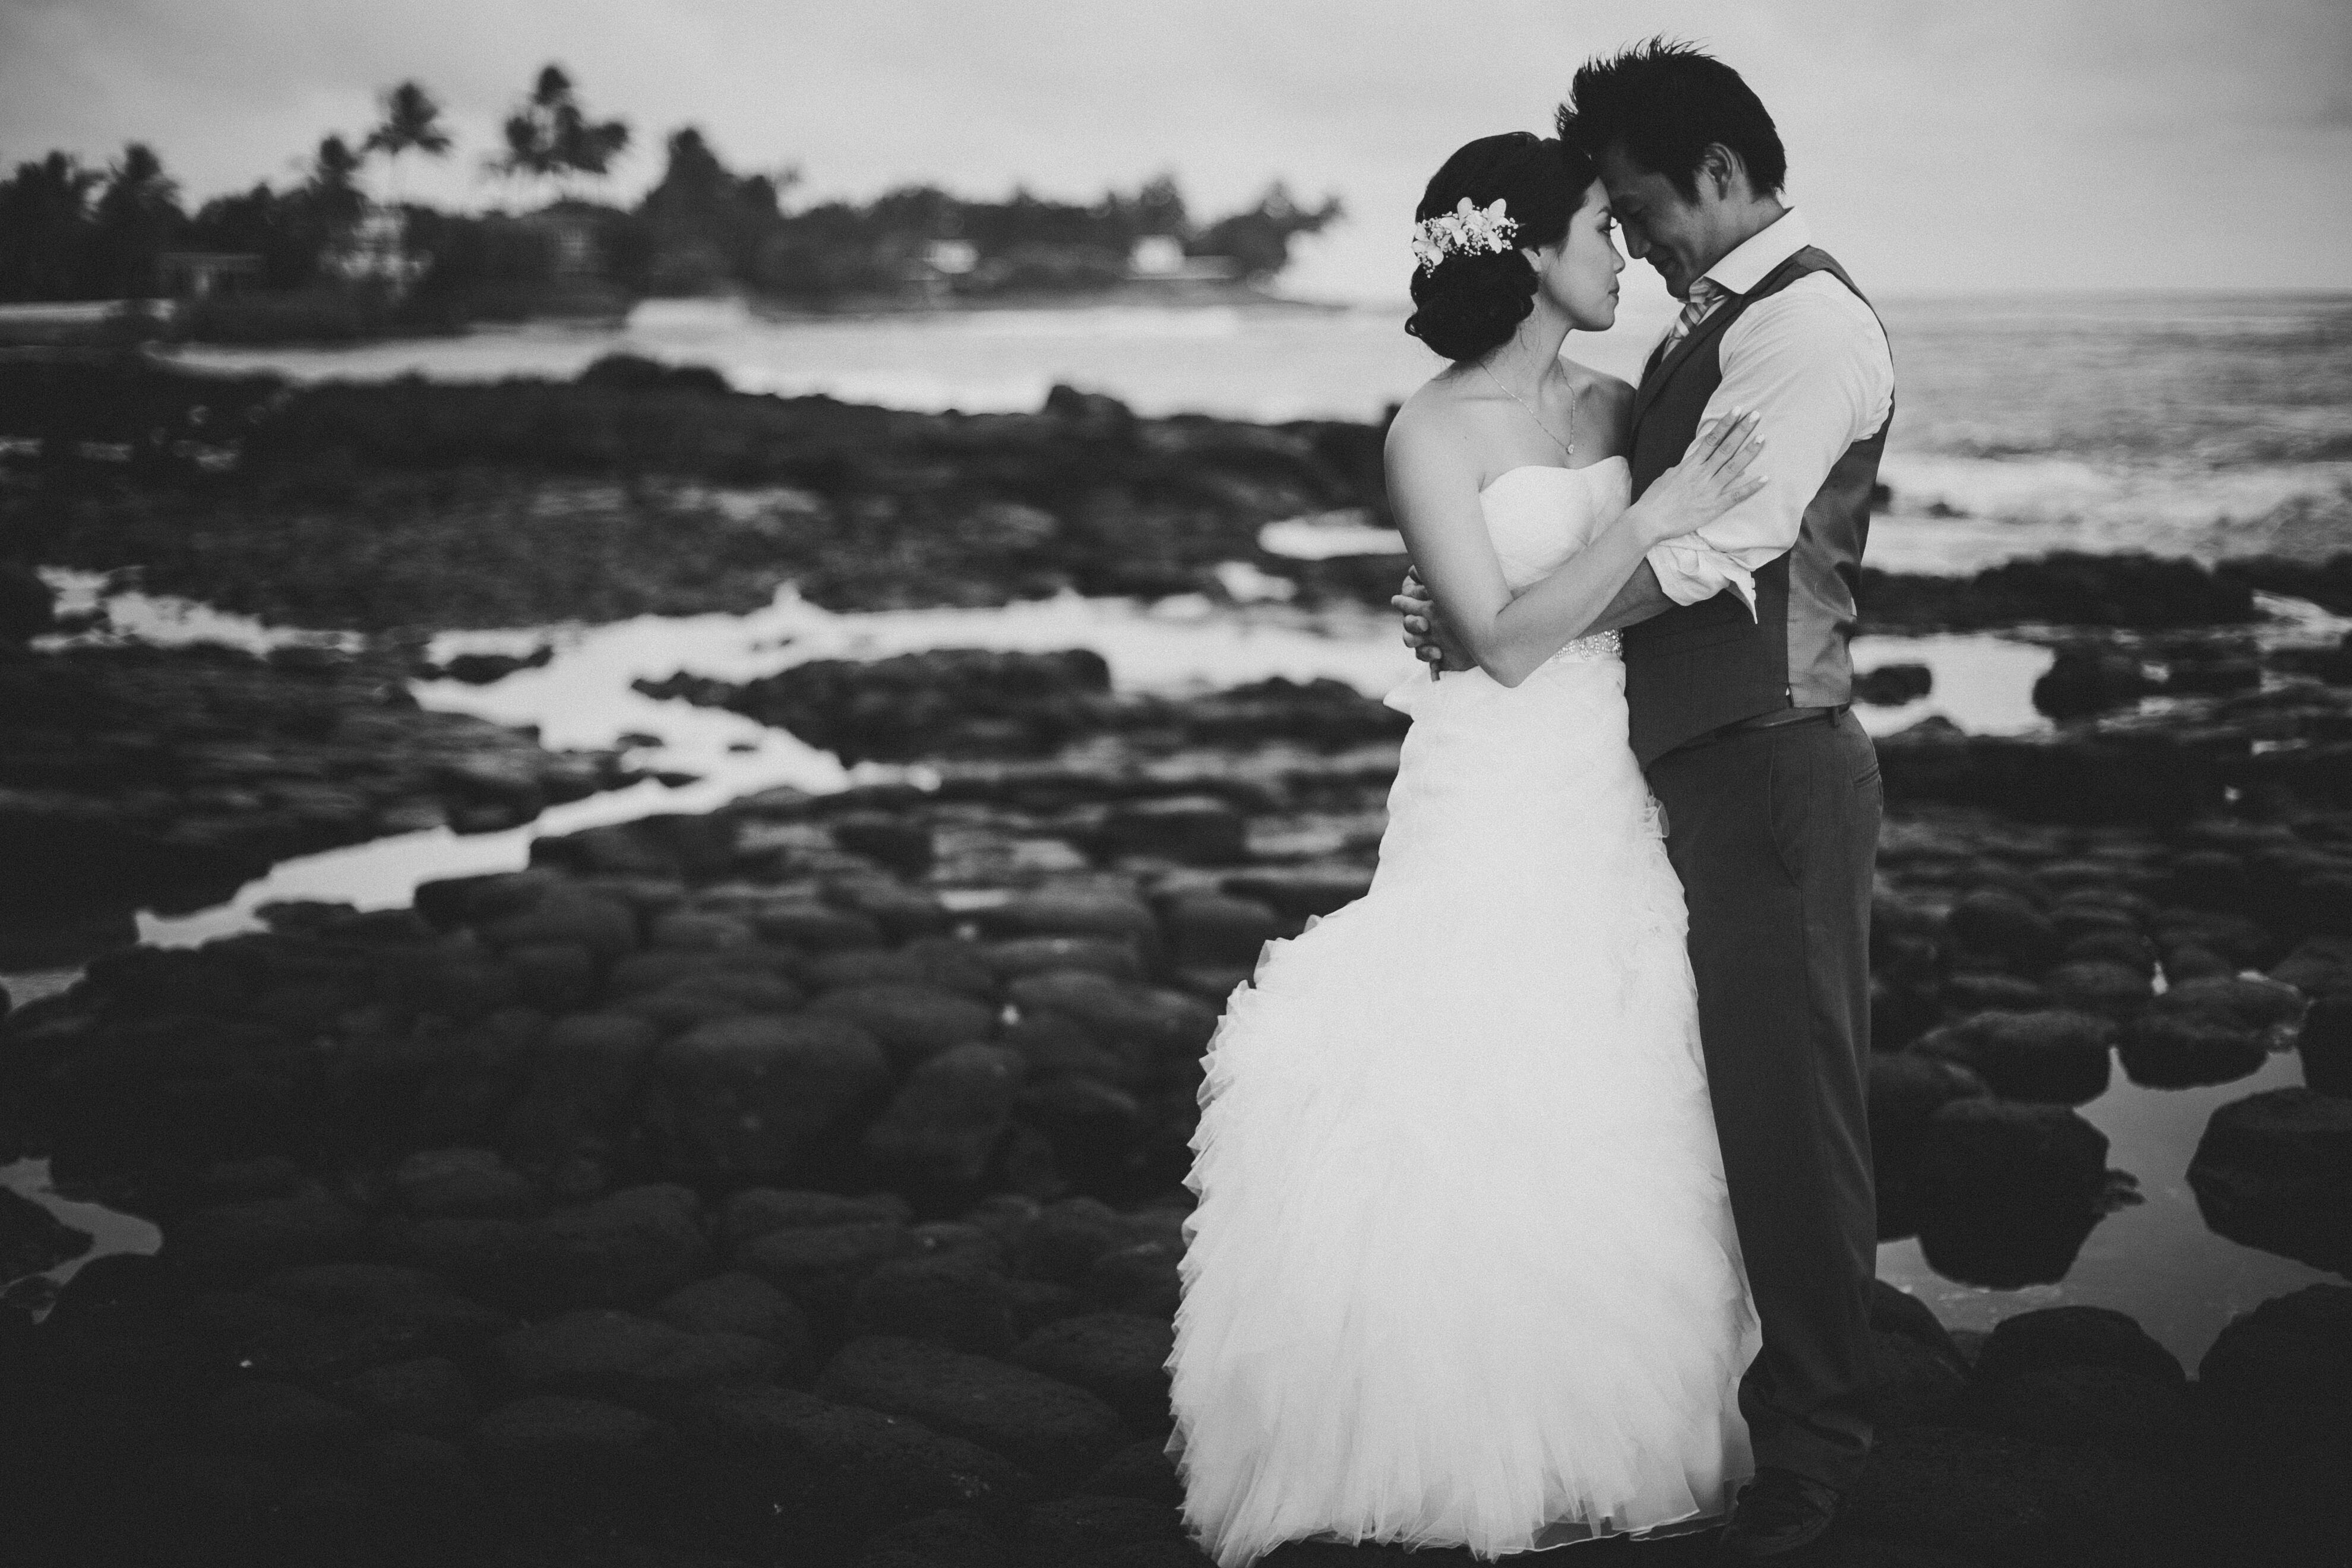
(1426, 631)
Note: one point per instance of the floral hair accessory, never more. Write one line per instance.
(1462, 231)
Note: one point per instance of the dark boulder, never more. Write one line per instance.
(2325, 1045)
(428, 1396)
(2275, 1171)
(2142, 1420)
(786, 1474)
(942, 1301)
(821, 1267)
(578, 1451)
(582, 1089)
(625, 1249)
(2056, 1055)
(739, 1303)
(1905, 1090)
(755, 1211)
(32, 1240)
(751, 1097)
(2075, 1336)
(2006, 925)
(2280, 1377)
(1893, 685)
(1056, 1432)
(934, 1140)
(2009, 1192)
(2086, 680)
(1120, 1357)
(913, 1022)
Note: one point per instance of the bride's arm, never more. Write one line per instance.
(1434, 488)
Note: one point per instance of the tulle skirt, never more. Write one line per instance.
(1462, 1269)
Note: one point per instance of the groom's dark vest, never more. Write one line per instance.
(1699, 667)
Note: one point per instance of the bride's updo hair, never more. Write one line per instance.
(1471, 302)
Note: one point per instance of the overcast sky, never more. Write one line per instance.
(1992, 144)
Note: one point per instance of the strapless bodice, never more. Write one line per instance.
(1538, 517)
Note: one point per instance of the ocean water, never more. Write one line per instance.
(2205, 426)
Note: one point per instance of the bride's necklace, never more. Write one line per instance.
(1569, 446)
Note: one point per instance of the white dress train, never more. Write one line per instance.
(1463, 1268)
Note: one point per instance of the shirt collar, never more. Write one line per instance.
(1751, 260)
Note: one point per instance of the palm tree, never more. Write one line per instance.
(550, 137)
(412, 123)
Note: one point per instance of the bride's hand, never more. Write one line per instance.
(1711, 479)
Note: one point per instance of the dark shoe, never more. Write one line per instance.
(1779, 1512)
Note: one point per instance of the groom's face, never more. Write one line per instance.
(1669, 231)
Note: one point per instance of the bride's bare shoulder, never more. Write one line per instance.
(1434, 416)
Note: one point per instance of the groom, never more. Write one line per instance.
(1736, 684)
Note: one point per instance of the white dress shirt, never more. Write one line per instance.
(1812, 360)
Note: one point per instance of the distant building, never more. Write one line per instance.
(201, 274)
(1160, 257)
(374, 250)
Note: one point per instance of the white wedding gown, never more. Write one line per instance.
(1462, 1269)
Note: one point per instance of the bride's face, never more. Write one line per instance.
(1578, 275)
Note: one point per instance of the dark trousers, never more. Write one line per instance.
(1774, 832)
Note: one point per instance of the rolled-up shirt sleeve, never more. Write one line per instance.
(1812, 360)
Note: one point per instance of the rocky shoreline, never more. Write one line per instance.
(800, 1183)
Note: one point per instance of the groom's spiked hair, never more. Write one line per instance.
(1664, 101)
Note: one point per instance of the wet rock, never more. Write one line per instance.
(1297, 891)
(2142, 1420)
(952, 1538)
(942, 1301)
(1061, 1241)
(1075, 911)
(241, 1240)
(1138, 1470)
(2280, 1377)
(463, 1182)
(936, 1136)
(913, 1022)
(2322, 966)
(621, 1250)
(395, 1310)
(788, 1472)
(820, 1267)
(32, 1240)
(1949, 1495)
(1212, 929)
(483, 668)
(1143, 1278)
(2109, 990)
(755, 1211)
(2064, 588)
(2075, 1336)
(1138, 1029)
(751, 1097)
(1056, 1432)
(2008, 1192)
(1193, 830)
(1893, 685)
(1036, 954)
(1068, 1531)
(1094, 1128)
(893, 842)
(1969, 992)
(578, 1450)
(565, 914)
(739, 1303)
(631, 1360)
(2275, 1171)
(2326, 1044)
(1119, 1357)
(428, 1396)
(2171, 1051)
(2055, 1056)
(2007, 925)
(2086, 680)
(269, 1418)
(583, 1086)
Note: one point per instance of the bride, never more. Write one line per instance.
(1462, 1269)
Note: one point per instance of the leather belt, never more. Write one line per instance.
(1776, 719)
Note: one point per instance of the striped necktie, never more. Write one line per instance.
(1705, 295)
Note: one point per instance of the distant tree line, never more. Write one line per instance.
(71, 232)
